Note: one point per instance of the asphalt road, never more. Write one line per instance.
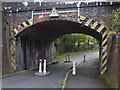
(57, 72)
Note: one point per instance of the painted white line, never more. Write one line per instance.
(66, 77)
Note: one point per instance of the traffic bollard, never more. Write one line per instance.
(74, 68)
(68, 56)
(44, 70)
(84, 57)
(40, 66)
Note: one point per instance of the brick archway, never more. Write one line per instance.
(90, 23)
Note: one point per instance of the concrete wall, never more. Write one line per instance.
(114, 53)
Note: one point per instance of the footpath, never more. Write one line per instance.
(87, 76)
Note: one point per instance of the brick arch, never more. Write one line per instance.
(90, 23)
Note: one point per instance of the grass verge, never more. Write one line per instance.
(109, 81)
(61, 82)
(61, 56)
(6, 72)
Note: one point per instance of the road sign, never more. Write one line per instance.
(54, 13)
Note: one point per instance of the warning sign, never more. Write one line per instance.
(54, 13)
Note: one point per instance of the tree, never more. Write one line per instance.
(69, 42)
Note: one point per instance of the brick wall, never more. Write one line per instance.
(119, 62)
(5, 48)
(17, 13)
(30, 51)
(114, 53)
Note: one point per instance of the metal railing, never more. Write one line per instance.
(78, 5)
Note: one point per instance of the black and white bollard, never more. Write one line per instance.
(40, 66)
(68, 57)
(44, 69)
(74, 68)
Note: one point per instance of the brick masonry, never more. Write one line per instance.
(5, 49)
(17, 12)
(30, 51)
(113, 59)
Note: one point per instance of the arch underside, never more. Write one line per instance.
(50, 29)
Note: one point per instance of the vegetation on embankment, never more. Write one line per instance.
(61, 82)
(115, 21)
(112, 72)
(61, 56)
(109, 81)
(75, 44)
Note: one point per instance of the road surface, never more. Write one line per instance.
(57, 72)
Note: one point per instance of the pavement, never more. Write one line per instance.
(87, 75)
(57, 71)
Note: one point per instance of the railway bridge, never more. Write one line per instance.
(35, 25)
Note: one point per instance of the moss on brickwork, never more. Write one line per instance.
(113, 54)
(109, 81)
(5, 43)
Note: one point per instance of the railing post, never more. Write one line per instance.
(78, 5)
(32, 17)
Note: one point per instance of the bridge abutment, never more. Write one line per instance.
(30, 51)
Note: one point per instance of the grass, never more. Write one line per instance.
(108, 80)
(61, 82)
(61, 56)
(6, 72)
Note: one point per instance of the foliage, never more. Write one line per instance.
(62, 82)
(11, 37)
(5, 27)
(116, 20)
(107, 79)
(74, 42)
(6, 72)
(61, 56)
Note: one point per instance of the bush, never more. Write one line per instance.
(116, 20)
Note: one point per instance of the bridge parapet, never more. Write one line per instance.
(18, 12)
(19, 19)
(14, 7)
